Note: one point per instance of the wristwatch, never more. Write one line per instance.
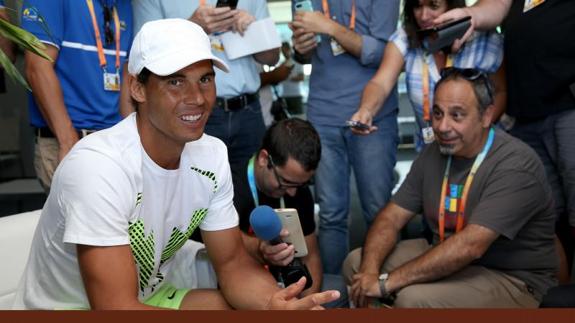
(386, 297)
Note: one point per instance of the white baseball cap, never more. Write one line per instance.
(166, 46)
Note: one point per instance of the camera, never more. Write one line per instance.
(291, 273)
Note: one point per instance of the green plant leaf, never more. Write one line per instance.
(12, 71)
(23, 38)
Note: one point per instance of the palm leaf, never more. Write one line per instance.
(23, 38)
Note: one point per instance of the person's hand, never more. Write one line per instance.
(279, 255)
(313, 22)
(365, 117)
(286, 299)
(303, 42)
(242, 21)
(66, 145)
(364, 286)
(213, 19)
(455, 14)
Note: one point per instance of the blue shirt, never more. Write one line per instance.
(68, 26)
(337, 82)
(244, 76)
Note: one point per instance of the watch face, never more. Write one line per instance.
(383, 276)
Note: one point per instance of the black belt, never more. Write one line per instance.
(45, 132)
(237, 102)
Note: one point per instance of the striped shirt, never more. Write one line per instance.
(484, 52)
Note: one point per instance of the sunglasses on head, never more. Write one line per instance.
(108, 32)
(470, 74)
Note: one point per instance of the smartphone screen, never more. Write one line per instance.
(227, 3)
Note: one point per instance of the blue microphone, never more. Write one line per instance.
(266, 224)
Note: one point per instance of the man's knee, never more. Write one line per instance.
(351, 265)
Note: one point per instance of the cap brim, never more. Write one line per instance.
(179, 60)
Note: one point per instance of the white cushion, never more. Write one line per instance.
(16, 232)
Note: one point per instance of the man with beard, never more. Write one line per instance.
(485, 196)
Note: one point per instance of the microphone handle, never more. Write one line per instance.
(275, 241)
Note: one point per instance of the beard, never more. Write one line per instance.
(446, 149)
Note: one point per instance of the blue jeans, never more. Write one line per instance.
(335, 282)
(242, 130)
(372, 159)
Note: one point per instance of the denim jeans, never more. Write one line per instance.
(372, 159)
(551, 138)
(242, 130)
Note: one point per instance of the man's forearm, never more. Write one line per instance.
(247, 285)
(49, 97)
(488, 14)
(268, 57)
(347, 38)
(380, 241)
(444, 259)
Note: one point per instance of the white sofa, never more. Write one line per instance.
(16, 232)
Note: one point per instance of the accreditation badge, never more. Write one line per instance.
(428, 136)
(112, 81)
(336, 48)
(216, 43)
(530, 4)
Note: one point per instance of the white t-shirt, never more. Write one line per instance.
(108, 192)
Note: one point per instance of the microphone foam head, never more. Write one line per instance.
(265, 223)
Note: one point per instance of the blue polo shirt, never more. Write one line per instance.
(67, 25)
(337, 82)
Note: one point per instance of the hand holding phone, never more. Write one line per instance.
(227, 3)
(306, 5)
(357, 125)
(443, 35)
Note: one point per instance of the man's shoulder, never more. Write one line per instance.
(512, 154)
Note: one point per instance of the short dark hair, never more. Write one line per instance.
(410, 24)
(480, 82)
(295, 138)
(143, 78)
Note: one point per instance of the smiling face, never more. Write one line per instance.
(174, 109)
(460, 130)
(427, 11)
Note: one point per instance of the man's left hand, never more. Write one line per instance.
(242, 21)
(364, 285)
(286, 299)
(313, 22)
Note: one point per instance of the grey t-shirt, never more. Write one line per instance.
(509, 195)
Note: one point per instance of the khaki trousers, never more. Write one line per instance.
(46, 160)
(471, 287)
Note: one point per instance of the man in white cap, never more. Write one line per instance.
(124, 200)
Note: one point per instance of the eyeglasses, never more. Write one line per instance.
(108, 32)
(470, 74)
(284, 184)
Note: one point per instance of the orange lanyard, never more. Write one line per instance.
(326, 13)
(99, 45)
(425, 81)
(461, 207)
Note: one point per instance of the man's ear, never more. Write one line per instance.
(487, 117)
(137, 90)
(262, 158)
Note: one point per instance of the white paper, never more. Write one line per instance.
(260, 36)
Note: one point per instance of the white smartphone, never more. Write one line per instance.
(306, 5)
(290, 221)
